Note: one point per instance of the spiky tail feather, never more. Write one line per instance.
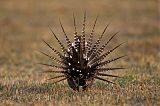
(83, 60)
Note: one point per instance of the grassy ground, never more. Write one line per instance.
(24, 23)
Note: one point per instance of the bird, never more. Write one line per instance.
(82, 61)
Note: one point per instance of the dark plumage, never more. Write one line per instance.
(82, 61)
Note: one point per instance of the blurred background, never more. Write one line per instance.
(24, 23)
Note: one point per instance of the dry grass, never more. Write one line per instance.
(24, 23)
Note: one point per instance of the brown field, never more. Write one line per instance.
(24, 23)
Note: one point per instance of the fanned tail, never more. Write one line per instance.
(96, 45)
(90, 39)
